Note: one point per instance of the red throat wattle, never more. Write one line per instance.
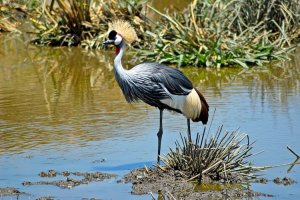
(117, 50)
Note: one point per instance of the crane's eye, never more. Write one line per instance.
(112, 35)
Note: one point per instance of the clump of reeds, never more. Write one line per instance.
(274, 16)
(220, 156)
(83, 22)
(68, 23)
(220, 33)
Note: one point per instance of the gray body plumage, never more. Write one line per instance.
(160, 86)
(149, 81)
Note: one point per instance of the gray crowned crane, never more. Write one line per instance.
(155, 84)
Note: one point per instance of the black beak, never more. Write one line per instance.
(108, 42)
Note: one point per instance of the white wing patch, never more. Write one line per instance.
(189, 105)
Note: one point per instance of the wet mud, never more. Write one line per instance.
(168, 184)
(172, 185)
(279, 181)
(69, 182)
(45, 198)
(284, 181)
(10, 191)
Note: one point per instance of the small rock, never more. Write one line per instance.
(284, 181)
(262, 180)
(25, 183)
(9, 191)
(121, 181)
(99, 161)
(277, 180)
(288, 181)
(45, 198)
(43, 174)
(50, 173)
(66, 173)
(29, 157)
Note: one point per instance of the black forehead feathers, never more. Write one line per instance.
(112, 35)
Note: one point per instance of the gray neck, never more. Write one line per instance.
(122, 76)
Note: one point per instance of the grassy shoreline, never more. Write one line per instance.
(218, 34)
(205, 34)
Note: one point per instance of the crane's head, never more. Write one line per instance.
(120, 31)
(113, 38)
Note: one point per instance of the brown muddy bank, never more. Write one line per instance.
(172, 185)
(70, 182)
(10, 191)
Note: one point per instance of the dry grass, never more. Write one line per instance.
(83, 22)
(10, 16)
(220, 156)
(66, 24)
(7, 26)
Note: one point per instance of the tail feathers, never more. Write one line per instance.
(203, 117)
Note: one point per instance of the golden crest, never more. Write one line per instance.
(125, 29)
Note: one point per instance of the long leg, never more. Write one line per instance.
(189, 130)
(159, 134)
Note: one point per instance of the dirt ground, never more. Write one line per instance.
(171, 185)
(66, 182)
(69, 182)
(9, 191)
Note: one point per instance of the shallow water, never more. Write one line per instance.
(61, 109)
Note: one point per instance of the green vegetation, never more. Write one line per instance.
(211, 33)
(220, 156)
(221, 33)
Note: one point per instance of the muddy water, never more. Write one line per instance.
(61, 109)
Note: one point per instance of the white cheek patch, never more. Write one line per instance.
(118, 40)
